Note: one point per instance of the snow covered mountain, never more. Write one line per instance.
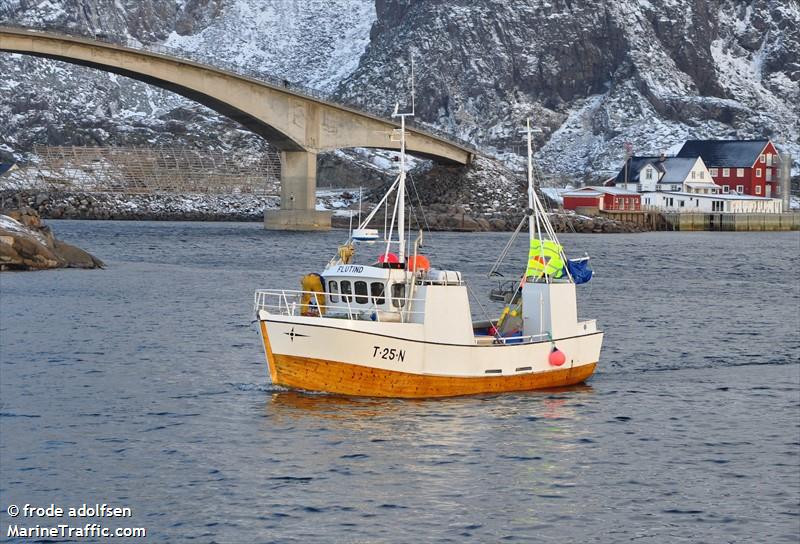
(592, 74)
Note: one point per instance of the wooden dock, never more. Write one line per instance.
(739, 222)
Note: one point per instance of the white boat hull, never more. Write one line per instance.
(365, 358)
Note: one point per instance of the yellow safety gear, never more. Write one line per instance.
(545, 258)
(312, 289)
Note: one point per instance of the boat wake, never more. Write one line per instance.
(260, 387)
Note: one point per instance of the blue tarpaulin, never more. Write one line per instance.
(5, 167)
(580, 270)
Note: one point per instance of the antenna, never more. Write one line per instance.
(413, 102)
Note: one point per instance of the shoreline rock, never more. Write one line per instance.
(141, 207)
(27, 244)
(441, 217)
(493, 217)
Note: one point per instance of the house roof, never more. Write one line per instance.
(635, 165)
(582, 193)
(674, 169)
(724, 153)
(677, 169)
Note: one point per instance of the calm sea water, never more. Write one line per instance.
(145, 385)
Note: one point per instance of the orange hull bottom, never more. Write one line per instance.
(347, 379)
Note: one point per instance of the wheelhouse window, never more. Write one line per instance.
(333, 291)
(361, 292)
(377, 290)
(398, 295)
(346, 291)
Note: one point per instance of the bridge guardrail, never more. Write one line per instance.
(238, 69)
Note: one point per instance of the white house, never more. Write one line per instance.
(693, 202)
(647, 174)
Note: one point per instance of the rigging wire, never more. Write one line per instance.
(485, 313)
(506, 249)
(421, 208)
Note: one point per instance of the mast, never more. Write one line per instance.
(401, 185)
(360, 198)
(539, 224)
(401, 194)
(530, 184)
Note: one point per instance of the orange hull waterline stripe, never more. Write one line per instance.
(273, 375)
(347, 379)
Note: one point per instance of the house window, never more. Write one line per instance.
(398, 295)
(361, 292)
(758, 172)
(726, 189)
(714, 172)
(333, 291)
(377, 292)
(762, 159)
(740, 189)
(694, 174)
(758, 189)
(769, 159)
(740, 172)
(346, 291)
(726, 172)
(648, 174)
(702, 174)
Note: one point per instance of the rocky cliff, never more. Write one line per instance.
(592, 74)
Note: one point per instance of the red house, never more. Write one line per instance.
(602, 199)
(748, 167)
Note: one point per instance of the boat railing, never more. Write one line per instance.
(510, 340)
(289, 302)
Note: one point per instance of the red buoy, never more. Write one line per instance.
(418, 262)
(388, 258)
(557, 357)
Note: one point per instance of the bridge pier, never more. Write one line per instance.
(298, 195)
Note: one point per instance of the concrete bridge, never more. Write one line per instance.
(299, 124)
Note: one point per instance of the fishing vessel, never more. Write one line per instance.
(395, 325)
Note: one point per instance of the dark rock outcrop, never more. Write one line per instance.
(27, 244)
